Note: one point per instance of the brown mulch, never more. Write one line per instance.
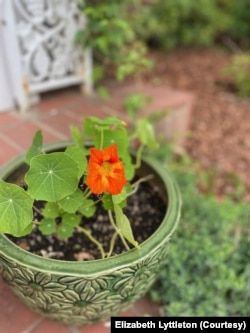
(220, 122)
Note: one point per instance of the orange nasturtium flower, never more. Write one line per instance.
(105, 171)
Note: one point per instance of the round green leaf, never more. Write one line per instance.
(65, 231)
(72, 220)
(118, 199)
(52, 177)
(72, 202)
(51, 210)
(16, 210)
(79, 156)
(88, 208)
(47, 226)
(107, 201)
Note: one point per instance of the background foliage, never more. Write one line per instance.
(181, 22)
(208, 268)
(121, 33)
(110, 33)
(168, 24)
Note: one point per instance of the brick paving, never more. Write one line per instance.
(54, 114)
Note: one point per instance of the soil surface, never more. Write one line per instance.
(220, 121)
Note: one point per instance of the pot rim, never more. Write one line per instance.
(160, 236)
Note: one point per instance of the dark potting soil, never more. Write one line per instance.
(145, 210)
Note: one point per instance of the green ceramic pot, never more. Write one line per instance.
(81, 293)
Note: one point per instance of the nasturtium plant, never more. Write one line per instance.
(96, 168)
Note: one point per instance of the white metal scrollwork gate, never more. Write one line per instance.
(38, 39)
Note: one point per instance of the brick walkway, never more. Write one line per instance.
(54, 115)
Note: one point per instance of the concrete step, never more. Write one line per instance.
(175, 107)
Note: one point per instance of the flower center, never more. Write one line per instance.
(106, 168)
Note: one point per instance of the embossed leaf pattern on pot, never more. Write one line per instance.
(87, 303)
(38, 285)
(83, 299)
(97, 283)
(6, 269)
(134, 278)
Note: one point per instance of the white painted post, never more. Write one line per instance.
(6, 98)
(12, 55)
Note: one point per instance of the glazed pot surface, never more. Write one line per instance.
(80, 293)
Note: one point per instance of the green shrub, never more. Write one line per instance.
(239, 72)
(207, 272)
(239, 29)
(174, 23)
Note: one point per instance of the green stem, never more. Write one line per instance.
(117, 230)
(112, 244)
(137, 183)
(93, 240)
(37, 210)
(138, 157)
(86, 193)
(102, 138)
